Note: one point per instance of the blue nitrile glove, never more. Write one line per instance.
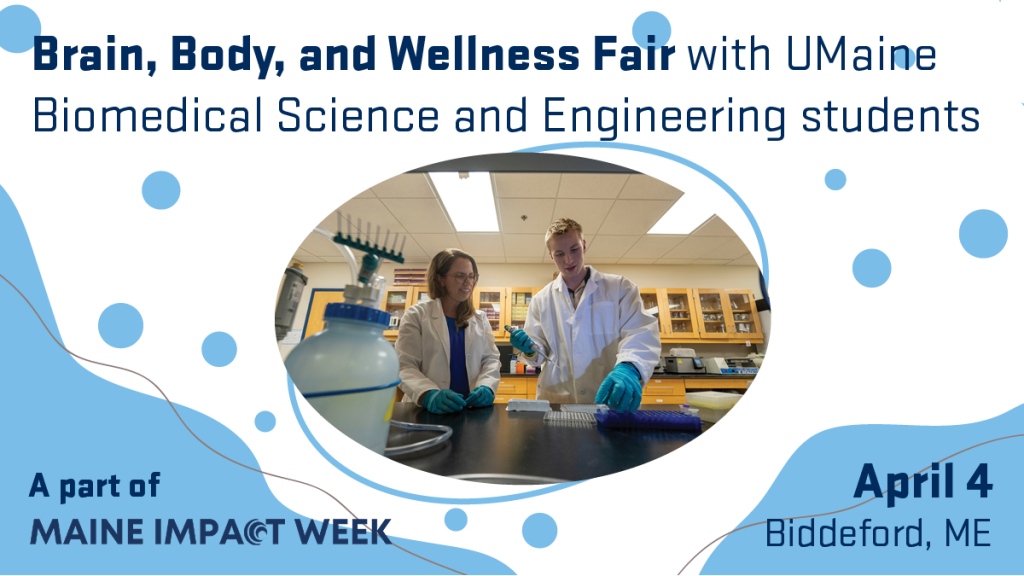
(520, 340)
(480, 397)
(443, 401)
(621, 389)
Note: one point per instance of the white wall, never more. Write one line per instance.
(501, 275)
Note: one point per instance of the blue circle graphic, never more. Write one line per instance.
(19, 27)
(219, 349)
(456, 519)
(901, 56)
(161, 190)
(835, 179)
(540, 530)
(265, 421)
(120, 325)
(872, 268)
(983, 233)
(651, 24)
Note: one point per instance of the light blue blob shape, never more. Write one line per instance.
(120, 325)
(540, 530)
(901, 56)
(456, 519)
(19, 26)
(648, 24)
(161, 190)
(872, 268)
(265, 421)
(983, 233)
(219, 349)
(835, 179)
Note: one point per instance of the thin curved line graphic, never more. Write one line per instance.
(200, 440)
(688, 163)
(399, 493)
(844, 509)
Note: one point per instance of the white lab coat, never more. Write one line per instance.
(609, 326)
(424, 357)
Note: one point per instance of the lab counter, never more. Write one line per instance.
(493, 445)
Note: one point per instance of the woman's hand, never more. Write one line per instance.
(480, 397)
(443, 401)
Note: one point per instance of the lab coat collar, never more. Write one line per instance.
(560, 282)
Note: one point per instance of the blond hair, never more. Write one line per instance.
(562, 226)
(439, 267)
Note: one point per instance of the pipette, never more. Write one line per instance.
(536, 347)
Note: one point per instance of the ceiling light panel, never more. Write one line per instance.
(469, 201)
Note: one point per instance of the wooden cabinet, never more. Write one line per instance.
(727, 315)
(492, 301)
(678, 319)
(518, 303)
(396, 300)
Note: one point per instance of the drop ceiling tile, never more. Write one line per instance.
(336, 259)
(714, 227)
(308, 259)
(609, 246)
(537, 212)
(589, 213)
(368, 210)
(637, 260)
(300, 252)
(318, 245)
(365, 194)
(529, 246)
(634, 216)
(654, 246)
(731, 250)
(602, 260)
(747, 260)
(404, 186)
(518, 260)
(483, 245)
(710, 262)
(643, 187)
(419, 215)
(489, 259)
(695, 247)
(513, 185)
(675, 261)
(330, 223)
(434, 243)
(591, 185)
(412, 251)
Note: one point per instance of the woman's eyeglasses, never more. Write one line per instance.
(461, 278)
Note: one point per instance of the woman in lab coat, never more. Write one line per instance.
(446, 351)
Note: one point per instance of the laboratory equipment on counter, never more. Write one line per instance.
(518, 405)
(348, 372)
(288, 302)
(649, 419)
(682, 353)
(660, 368)
(713, 405)
(685, 365)
(731, 366)
(588, 408)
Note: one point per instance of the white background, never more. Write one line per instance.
(944, 325)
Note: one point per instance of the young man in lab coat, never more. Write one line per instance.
(600, 345)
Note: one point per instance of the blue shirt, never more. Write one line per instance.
(457, 361)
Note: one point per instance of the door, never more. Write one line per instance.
(492, 302)
(679, 320)
(713, 319)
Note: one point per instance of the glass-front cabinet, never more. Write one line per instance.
(395, 302)
(518, 305)
(421, 295)
(727, 314)
(678, 320)
(491, 301)
(651, 300)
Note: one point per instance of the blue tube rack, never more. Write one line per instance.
(649, 420)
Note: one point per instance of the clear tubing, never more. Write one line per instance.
(346, 252)
(417, 446)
